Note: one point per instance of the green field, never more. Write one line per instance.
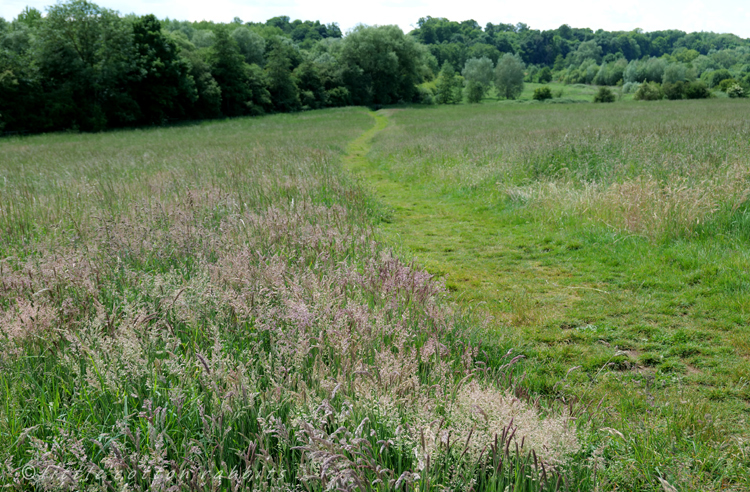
(343, 299)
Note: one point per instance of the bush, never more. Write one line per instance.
(605, 95)
(630, 87)
(697, 90)
(650, 91)
(542, 93)
(545, 75)
(726, 84)
(736, 91)
(338, 96)
(717, 76)
(424, 95)
(674, 91)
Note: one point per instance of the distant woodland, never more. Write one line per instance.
(79, 66)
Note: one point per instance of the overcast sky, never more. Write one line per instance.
(688, 15)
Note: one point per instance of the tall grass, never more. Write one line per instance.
(208, 308)
(662, 170)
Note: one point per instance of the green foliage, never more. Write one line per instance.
(509, 76)
(309, 82)
(611, 73)
(479, 70)
(697, 90)
(283, 90)
(258, 83)
(686, 55)
(86, 55)
(339, 96)
(674, 73)
(304, 33)
(716, 77)
(474, 92)
(674, 91)
(726, 84)
(448, 86)
(251, 45)
(208, 104)
(542, 93)
(84, 67)
(648, 70)
(477, 73)
(588, 50)
(735, 91)
(604, 95)
(384, 62)
(650, 91)
(425, 95)
(545, 76)
(166, 90)
(231, 73)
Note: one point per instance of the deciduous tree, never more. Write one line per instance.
(509, 76)
(387, 61)
(87, 59)
(448, 85)
(165, 90)
(478, 74)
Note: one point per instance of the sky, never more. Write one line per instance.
(731, 16)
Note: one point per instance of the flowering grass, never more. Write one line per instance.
(209, 307)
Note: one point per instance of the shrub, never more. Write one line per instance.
(338, 96)
(674, 91)
(542, 93)
(716, 77)
(424, 95)
(650, 91)
(605, 95)
(697, 90)
(630, 87)
(736, 91)
(545, 75)
(726, 84)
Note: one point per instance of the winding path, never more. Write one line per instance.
(482, 258)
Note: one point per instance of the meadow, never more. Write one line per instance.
(209, 307)
(609, 243)
(511, 296)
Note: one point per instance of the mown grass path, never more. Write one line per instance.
(599, 318)
(461, 241)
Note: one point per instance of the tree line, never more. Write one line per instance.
(85, 67)
(681, 64)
